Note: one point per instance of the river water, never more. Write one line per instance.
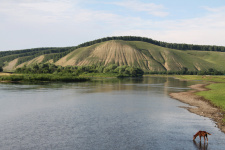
(108, 114)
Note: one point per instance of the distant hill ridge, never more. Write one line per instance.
(148, 54)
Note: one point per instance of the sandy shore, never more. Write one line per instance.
(202, 106)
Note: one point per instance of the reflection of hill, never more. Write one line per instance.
(148, 84)
(145, 84)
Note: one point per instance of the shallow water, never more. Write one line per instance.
(105, 114)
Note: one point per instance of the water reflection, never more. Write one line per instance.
(200, 145)
(156, 84)
(165, 84)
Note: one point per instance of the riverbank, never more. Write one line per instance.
(202, 106)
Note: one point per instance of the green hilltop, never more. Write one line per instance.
(145, 53)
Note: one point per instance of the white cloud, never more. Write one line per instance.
(218, 9)
(57, 22)
(47, 6)
(150, 8)
(209, 29)
(50, 11)
(41, 11)
(212, 37)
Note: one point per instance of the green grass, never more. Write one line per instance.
(203, 78)
(178, 58)
(56, 77)
(212, 57)
(82, 53)
(42, 78)
(216, 94)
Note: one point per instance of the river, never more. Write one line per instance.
(106, 114)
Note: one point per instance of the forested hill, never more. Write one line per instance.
(146, 53)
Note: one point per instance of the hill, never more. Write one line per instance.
(148, 55)
(144, 55)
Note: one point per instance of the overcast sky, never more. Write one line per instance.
(59, 23)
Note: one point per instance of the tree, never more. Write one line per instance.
(184, 70)
(1, 69)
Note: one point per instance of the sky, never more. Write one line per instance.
(59, 23)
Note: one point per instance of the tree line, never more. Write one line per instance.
(185, 71)
(159, 43)
(46, 68)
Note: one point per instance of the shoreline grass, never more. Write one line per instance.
(209, 78)
(216, 94)
(5, 74)
(42, 78)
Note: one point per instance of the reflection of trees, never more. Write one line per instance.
(135, 84)
(172, 84)
(113, 84)
(146, 84)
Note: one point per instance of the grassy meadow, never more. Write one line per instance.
(216, 94)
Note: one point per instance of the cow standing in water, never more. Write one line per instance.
(200, 134)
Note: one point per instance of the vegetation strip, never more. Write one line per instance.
(41, 78)
(53, 73)
(116, 71)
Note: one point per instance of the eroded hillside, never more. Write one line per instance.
(140, 54)
(147, 56)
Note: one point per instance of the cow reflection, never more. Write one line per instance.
(201, 146)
